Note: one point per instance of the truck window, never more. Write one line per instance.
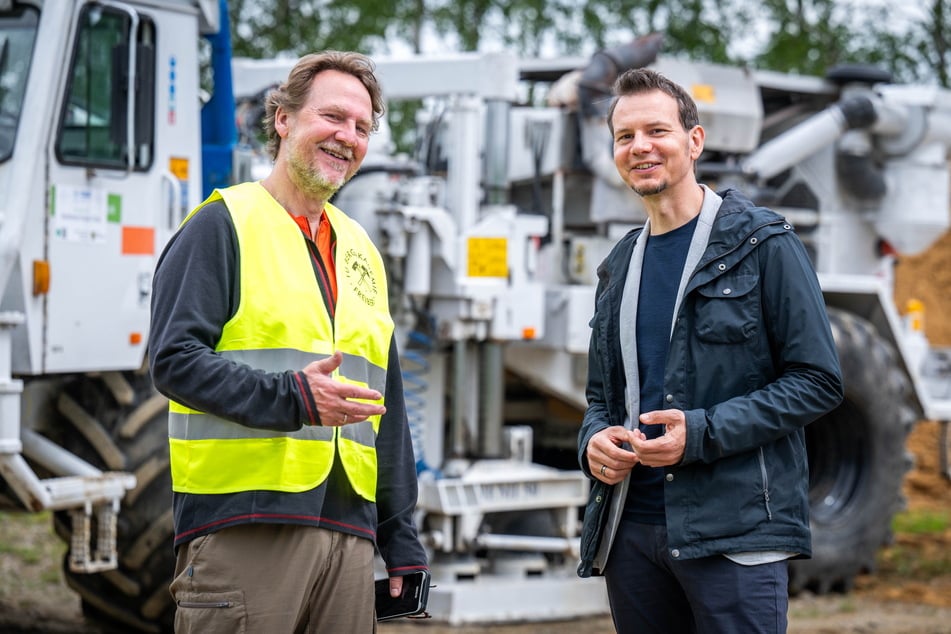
(93, 129)
(17, 35)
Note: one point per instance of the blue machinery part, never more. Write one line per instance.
(218, 127)
(414, 364)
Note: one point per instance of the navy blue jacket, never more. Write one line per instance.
(751, 362)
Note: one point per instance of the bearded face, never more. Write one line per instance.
(325, 142)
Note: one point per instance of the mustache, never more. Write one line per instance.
(336, 148)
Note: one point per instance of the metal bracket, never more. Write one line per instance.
(86, 556)
(82, 489)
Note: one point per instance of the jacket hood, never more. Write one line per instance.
(740, 227)
(738, 216)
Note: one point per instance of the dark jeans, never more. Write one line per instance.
(651, 592)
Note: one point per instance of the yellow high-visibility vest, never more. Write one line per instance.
(281, 324)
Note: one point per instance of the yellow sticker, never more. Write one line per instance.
(488, 257)
(178, 167)
(704, 93)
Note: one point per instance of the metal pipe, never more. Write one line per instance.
(459, 390)
(54, 458)
(10, 389)
(793, 146)
(61, 493)
(527, 543)
(855, 112)
(18, 474)
(464, 162)
(491, 391)
(496, 165)
(557, 226)
(418, 280)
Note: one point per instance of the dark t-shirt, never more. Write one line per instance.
(662, 269)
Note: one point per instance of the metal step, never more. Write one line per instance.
(497, 598)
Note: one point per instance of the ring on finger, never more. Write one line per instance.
(604, 468)
(345, 419)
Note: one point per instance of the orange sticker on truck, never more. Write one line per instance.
(138, 241)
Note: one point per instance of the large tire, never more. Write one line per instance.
(118, 422)
(857, 461)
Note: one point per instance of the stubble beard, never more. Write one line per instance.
(311, 181)
(651, 190)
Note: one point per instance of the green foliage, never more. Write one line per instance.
(933, 43)
(803, 36)
(268, 28)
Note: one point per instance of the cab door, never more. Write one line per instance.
(125, 152)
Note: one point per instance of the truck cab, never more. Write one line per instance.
(100, 159)
(98, 175)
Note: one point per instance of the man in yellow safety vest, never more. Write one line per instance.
(290, 452)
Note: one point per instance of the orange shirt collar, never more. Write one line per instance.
(325, 247)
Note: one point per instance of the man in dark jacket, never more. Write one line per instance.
(710, 352)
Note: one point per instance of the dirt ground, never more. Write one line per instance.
(927, 277)
(909, 593)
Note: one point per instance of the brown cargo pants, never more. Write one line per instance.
(274, 579)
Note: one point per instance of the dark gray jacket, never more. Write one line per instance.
(195, 292)
(751, 362)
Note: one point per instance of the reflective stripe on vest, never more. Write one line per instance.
(282, 324)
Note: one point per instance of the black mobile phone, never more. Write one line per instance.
(412, 600)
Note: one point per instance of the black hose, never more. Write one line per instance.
(859, 174)
(859, 112)
(597, 79)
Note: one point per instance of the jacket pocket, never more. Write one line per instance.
(728, 309)
(210, 612)
(723, 499)
(592, 527)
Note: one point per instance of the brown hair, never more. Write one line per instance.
(640, 80)
(292, 94)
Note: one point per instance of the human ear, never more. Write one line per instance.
(697, 136)
(280, 122)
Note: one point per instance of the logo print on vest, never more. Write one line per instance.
(360, 277)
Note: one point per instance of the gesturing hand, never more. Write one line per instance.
(338, 402)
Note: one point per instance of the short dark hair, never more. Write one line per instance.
(640, 80)
(292, 94)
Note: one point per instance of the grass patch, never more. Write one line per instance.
(27, 540)
(920, 548)
(810, 609)
(921, 522)
(908, 562)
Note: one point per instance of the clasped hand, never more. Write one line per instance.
(613, 451)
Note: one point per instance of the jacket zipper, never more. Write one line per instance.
(762, 468)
